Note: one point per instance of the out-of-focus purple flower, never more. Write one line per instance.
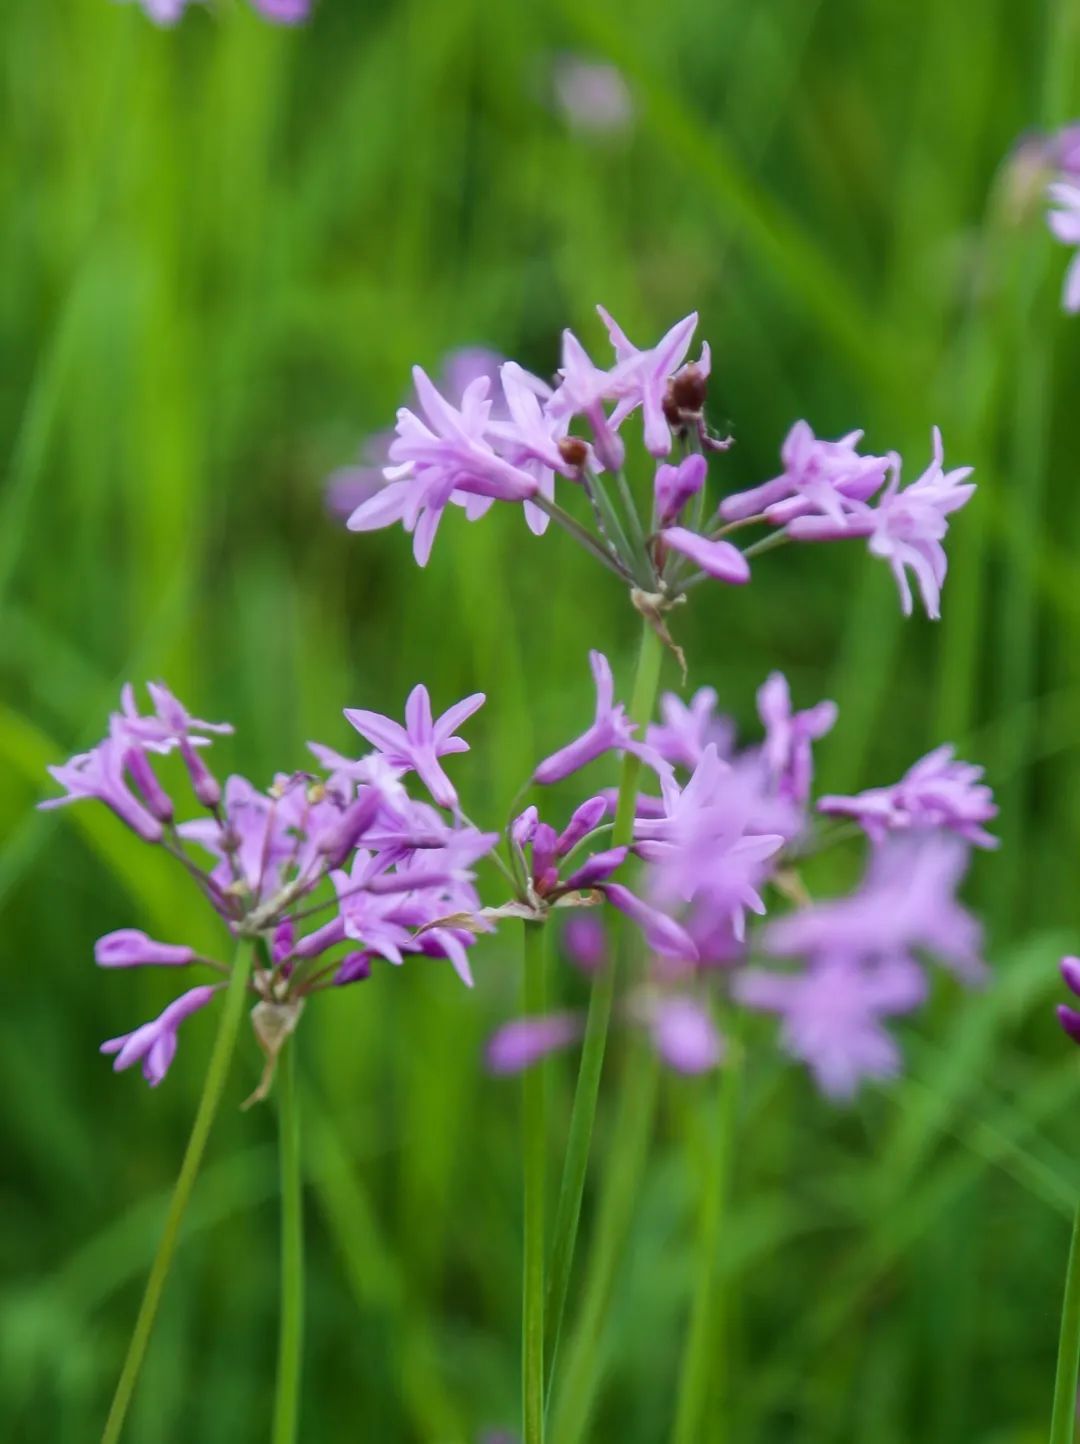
(820, 478)
(906, 528)
(640, 378)
(421, 742)
(673, 486)
(611, 730)
(720, 559)
(938, 792)
(99, 774)
(1068, 1017)
(789, 737)
(685, 1035)
(446, 453)
(129, 948)
(1064, 223)
(905, 905)
(701, 848)
(685, 732)
(164, 12)
(663, 934)
(831, 1015)
(592, 95)
(284, 12)
(585, 940)
(154, 1044)
(524, 1041)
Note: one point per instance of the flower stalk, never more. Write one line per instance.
(291, 1321)
(213, 1087)
(1063, 1422)
(534, 1179)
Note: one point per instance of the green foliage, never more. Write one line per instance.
(223, 246)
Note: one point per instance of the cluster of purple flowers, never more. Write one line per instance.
(326, 872)
(280, 12)
(729, 827)
(508, 436)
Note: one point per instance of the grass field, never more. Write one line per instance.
(223, 247)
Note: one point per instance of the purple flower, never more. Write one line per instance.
(592, 95)
(673, 486)
(719, 558)
(585, 940)
(663, 934)
(530, 438)
(937, 792)
(906, 528)
(583, 389)
(154, 1044)
(525, 1041)
(129, 948)
(284, 12)
(1064, 223)
(172, 726)
(905, 905)
(1068, 1017)
(421, 742)
(788, 737)
(443, 457)
(164, 12)
(832, 1015)
(685, 1035)
(686, 731)
(820, 478)
(641, 378)
(99, 774)
(611, 730)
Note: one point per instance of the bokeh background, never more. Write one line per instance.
(222, 248)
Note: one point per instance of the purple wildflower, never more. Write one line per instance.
(129, 948)
(422, 741)
(525, 1041)
(611, 730)
(99, 774)
(685, 1035)
(905, 905)
(937, 792)
(154, 1044)
(820, 478)
(640, 378)
(583, 388)
(1064, 223)
(719, 559)
(906, 528)
(585, 941)
(686, 730)
(673, 486)
(788, 737)
(832, 1015)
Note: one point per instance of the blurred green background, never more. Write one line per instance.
(222, 248)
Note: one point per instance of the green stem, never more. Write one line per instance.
(1063, 1425)
(213, 1087)
(705, 1356)
(291, 1321)
(581, 535)
(568, 1215)
(533, 1143)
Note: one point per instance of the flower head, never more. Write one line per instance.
(938, 792)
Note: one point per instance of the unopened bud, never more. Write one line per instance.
(340, 838)
(204, 784)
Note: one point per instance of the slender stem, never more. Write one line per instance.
(705, 1357)
(1063, 1424)
(766, 544)
(213, 1087)
(579, 1140)
(580, 534)
(291, 1321)
(533, 1144)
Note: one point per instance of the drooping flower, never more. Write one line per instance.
(937, 792)
(130, 948)
(422, 741)
(820, 478)
(673, 486)
(154, 1044)
(611, 730)
(99, 774)
(832, 1015)
(906, 528)
(719, 558)
(787, 752)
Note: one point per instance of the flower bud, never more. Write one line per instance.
(130, 948)
(205, 785)
(158, 802)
